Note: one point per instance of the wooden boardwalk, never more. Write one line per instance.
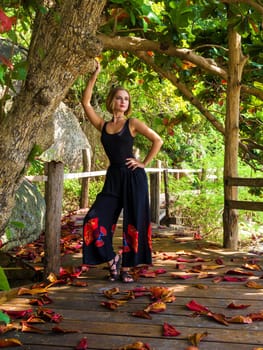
(217, 278)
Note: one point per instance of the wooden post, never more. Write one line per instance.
(53, 196)
(155, 179)
(236, 64)
(84, 198)
(167, 197)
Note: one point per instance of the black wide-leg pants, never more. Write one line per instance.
(123, 189)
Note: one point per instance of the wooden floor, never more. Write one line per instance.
(209, 267)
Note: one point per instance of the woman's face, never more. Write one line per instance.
(121, 101)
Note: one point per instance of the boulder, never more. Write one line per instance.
(68, 139)
(27, 220)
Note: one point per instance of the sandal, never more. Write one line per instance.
(126, 277)
(114, 269)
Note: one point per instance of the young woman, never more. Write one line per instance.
(125, 188)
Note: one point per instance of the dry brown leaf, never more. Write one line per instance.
(23, 291)
(254, 285)
(196, 338)
(135, 346)
(200, 286)
(156, 307)
(10, 342)
(240, 319)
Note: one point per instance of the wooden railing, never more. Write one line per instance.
(245, 182)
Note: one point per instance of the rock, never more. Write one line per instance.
(27, 220)
(68, 139)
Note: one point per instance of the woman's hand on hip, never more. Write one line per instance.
(133, 163)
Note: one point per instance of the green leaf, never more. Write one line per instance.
(4, 285)
(17, 224)
(2, 73)
(4, 317)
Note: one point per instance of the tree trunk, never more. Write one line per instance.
(63, 46)
(235, 66)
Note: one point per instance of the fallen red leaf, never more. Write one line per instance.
(142, 314)
(160, 271)
(40, 301)
(219, 261)
(218, 317)
(63, 331)
(113, 304)
(234, 279)
(14, 314)
(256, 316)
(49, 315)
(236, 306)
(238, 271)
(169, 330)
(194, 306)
(83, 344)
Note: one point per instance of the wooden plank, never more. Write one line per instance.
(245, 205)
(240, 181)
(148, 331)
(81, 308)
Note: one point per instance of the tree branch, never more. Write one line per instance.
(135, 44)
(256, 5)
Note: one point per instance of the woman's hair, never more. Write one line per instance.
(110, 97)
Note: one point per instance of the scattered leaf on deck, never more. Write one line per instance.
(82, 344)
(240, 319)
(57, 329)
(110, 292)
(23, 291)
(258, 316)
(30, 329)
(169, 330)
(156, 307)
(14, 314)
(9, 342)
(7, 328)
(194, 306)
(142, 314)
(135, 346)
(197, 337)
(253, 284)
(220, 318)
(237, 306)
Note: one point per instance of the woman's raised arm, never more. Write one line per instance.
(93, 117)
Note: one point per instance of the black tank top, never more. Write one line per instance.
(119, 146)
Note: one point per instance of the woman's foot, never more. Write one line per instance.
(114, 268)
(126, 276)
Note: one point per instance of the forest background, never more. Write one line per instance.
(173, 56)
